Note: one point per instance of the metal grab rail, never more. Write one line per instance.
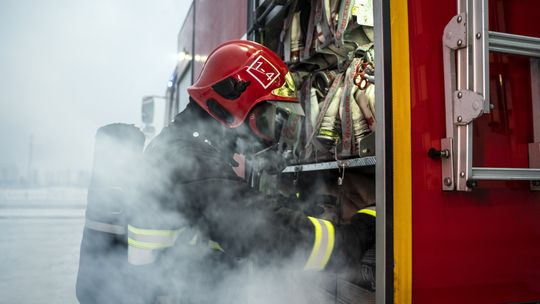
(514, 44)
(505, 174)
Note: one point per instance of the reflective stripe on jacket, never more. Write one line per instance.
(144, 244)
(323, 244)
(371, 210)
(104, 227)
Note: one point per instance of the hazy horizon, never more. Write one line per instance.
(69, 67)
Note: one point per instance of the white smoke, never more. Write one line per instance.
(248, 271)
(67, 67)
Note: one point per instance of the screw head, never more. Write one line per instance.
(459, 95)
(491, 106)
(447, 181)
(445, 153)
(459, 42)
(462, 174)
(365, 151)
(459, 118)
(459, 19)
(478, 35)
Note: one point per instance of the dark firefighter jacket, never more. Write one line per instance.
(103, 250)
(195, 222)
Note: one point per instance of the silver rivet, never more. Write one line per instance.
(195, 134)
(447, 181)
(462, 174)
(459, 95)
(365, 151)
(459, 42)
(459, 19)
(459, 118)
(478, 35)
(445, 153)
(491, 106)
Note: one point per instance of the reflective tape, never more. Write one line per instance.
(369, 211)
(141, 256)
(152, 238)
(144, 244)
(194, 240)
(104, 227)
(215, 246)
(140, 231)
(323, 245)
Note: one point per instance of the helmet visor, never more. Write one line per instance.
(267, 121)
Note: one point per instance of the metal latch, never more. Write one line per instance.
(467, 107)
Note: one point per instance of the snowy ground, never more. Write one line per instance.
(40, 234)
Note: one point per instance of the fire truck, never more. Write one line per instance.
(455, 147)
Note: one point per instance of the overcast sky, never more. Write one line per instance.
(68, 67)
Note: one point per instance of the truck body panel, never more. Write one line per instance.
(479, 246)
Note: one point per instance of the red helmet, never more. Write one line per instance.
(238, 75)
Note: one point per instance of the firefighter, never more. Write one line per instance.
(118, 148)
(196, 222)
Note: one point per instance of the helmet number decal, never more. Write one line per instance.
(263, 71)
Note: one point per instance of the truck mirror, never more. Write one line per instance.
(147, 110)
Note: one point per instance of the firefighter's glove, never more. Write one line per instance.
(353, 241)
(362, 235)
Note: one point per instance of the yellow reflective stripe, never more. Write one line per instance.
(163, 232)
(141, 256)
(215, 246)
(329, 133)
(316, 246)
(194, 240)
(322, 246)
(330, 246)
(368, 212)
(147, 245)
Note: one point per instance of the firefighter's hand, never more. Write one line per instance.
(353, 240)
(357, 192)
(364, 226)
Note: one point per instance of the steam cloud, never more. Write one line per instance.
(187, 273)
